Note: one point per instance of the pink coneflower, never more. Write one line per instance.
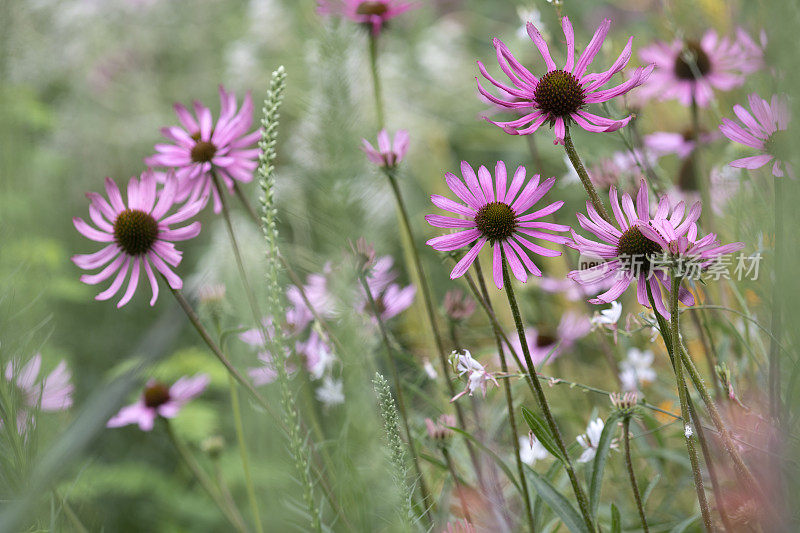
(544, 347)
(390, 298)
(54, 393)
(373, 13)
(389, 153)
(560, 96)
(202, 147)
(496, 214)
(693, 69)
(159, 400)
(630, 252)
(316, 290)
(138, 235)
(681, 144)
(766, 133)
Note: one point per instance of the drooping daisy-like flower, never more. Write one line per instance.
(637, 369)
(372, 13)
(631, 251)
(139, 236)
(531, 450)
(560, 96)
(766, 132)
(53, 393)
(389, 153)
(693, 69)
(478, 378)
(498, 215)
(202, 147)
(159, 400)
(591, 439)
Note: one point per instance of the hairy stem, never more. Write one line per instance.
(626, 439)
(683, 397)
(248, 479)
(542, 400)
(577, 164)
(376, 79)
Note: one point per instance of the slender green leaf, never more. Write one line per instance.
(616, 524)
(650, 487)
(603, 446)
(542, 432)
(557, 502)
(680, 527)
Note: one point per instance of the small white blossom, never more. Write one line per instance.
(591, 439)
(429, 369)
(608, 317)
(331, 392)
(477, 376)
(688, 431)
(531, 450)
(637, 369)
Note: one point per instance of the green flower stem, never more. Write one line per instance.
(577, 164)
(248, 479)
(429, 309)
(626, 439)
(542, 400)
(775, 409)
(510, 404)
(683, 397)
(427, 501)
(456, 485)
(376, 79)
(231, 513)
(76, 522)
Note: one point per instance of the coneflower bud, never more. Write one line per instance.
(458, 305)
(625, 403)
(364, 254)
(213, 446)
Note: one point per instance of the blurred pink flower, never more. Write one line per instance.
(137, 235)
(497, 218)
(440, 430)
(389, 153)
(458, 305)
(560, 96)
(373, 13)
(766, 133)
(693, 69)
(390, 298)
(53, 393)
(202, 148)
(159, 400)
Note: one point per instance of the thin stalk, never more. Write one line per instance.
(583, 175)
(231, 514)
(456, 485)
(626, 439)
(543, 405)
(376, 79)
(429, 310)
(249, 293)
(427, 501)
(76, 522)
(776, 321)
(694, 159)
(248, 479)
(683, 397)
(510, 404)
